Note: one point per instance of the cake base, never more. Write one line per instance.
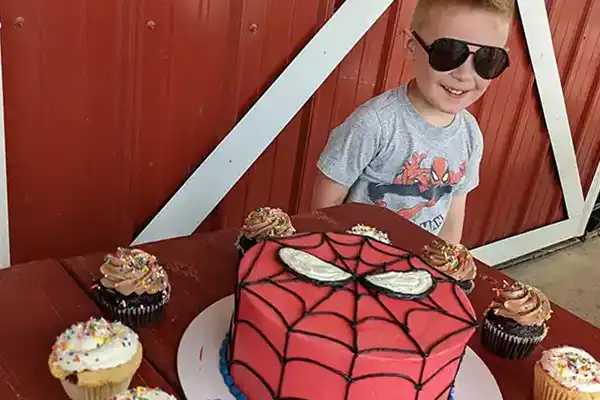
(198, 361)
(230, 383)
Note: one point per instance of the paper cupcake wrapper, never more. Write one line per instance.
(243, 244)
(95, 393)
(136, 317)
(508, 346)
(547, 388)
(467, 286)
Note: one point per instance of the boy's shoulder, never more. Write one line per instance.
(469, 118)
(388, 101)
(471, 125)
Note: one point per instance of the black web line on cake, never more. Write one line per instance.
(325, 240)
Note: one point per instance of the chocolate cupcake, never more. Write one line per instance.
(515, 322)
(453, 260)
(369, 231)
(264, 223)
(134, 289)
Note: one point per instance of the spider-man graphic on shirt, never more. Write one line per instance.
(429, 184)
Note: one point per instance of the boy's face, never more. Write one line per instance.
(457, 22)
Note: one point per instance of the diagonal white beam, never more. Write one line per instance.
(538, 36)
(4, 233)
(212, 180)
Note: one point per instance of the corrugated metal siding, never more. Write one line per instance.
(110, 106)
(65, 81)
(576, 34)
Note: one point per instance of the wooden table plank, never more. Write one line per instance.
(202, 270)
(38, 301)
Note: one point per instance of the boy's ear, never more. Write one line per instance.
(410, 44)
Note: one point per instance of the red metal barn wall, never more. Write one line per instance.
(110, 105)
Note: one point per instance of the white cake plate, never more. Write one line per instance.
(198, 361)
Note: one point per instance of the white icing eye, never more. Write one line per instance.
(410, 284)
(313, 268)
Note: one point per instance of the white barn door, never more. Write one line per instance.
(192, 203)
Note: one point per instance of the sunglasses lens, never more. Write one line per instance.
(447, 54)
(490, 62)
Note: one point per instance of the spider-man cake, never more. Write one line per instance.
(343, 317)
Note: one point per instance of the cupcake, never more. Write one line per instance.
(515, 322)
(264, 223)
(373, 233)
(143, 393)
(566, 373)
(95, 359)
(453, 260)
(134, 289)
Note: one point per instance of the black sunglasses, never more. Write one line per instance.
(446, 54)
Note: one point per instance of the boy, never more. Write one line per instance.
(415, 149)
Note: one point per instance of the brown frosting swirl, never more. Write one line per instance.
(524, 304)
(133, 271)
(453, 260)
(267, 222)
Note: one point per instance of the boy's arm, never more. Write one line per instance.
(327, 193)
(453, 225)
(350, 148)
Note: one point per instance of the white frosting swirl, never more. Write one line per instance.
(143, 393)
(368, 231)
(93, 345)
(312, 267)
(573, 368)
(412, 283)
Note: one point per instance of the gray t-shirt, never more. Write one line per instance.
(387, 154)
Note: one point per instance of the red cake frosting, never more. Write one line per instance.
(344, 317)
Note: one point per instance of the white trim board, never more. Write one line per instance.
(511, 248)
(590, 201)
(4, 232)
(538, 35)
(191, 204)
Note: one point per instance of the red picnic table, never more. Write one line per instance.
(39, 300)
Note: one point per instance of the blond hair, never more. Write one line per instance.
(425, 7)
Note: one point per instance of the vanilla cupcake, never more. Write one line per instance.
(143, 393)
(453, 260)
(566, 373)
(95, 359)
(515, 322)
(134, 289)
(368, 231)
(262, 224)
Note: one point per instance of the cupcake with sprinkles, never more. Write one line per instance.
(453, 260)
(566, 373)
(134, 288)
(516, 321)
(95, 359)
(369, 231)
(262, 224)
(143, 393)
